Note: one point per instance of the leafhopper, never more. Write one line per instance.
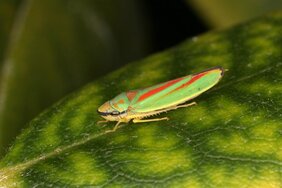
(143, 103)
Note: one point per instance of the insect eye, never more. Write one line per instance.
(115, 113)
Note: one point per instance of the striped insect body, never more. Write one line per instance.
(142, 103)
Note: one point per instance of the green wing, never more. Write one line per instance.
(176, 91)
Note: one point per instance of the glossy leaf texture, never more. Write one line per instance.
(232, 138)
(225, 13)
(56, 46)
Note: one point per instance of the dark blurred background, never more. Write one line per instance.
(172, 22)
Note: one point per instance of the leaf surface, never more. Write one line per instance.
(57, 46)
(232, 138)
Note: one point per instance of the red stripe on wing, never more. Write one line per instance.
(156, 90)
(193, 79)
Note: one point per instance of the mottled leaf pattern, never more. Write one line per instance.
(57, 46)
(232, 138)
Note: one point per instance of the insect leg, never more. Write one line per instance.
(115, 127)
(102, 121)
(149, 120)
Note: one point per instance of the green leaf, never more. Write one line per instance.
(232, 138)
(224, 13)
(57, 46)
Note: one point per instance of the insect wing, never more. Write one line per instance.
(176, 91)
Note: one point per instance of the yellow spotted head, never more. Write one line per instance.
(113, 110)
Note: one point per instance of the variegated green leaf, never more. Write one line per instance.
(232, 138)
(57, 46)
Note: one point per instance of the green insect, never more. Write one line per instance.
(142, 103)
